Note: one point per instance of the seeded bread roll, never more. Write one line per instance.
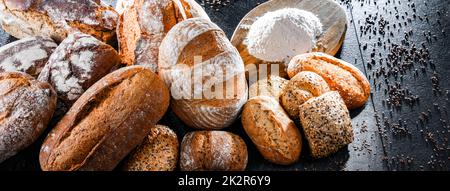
(205, 74)
(57, 18)
(301, 88)
(145, 23)
(340, 76)
(158, 152)
(107, 122)
(271, 86)
(213, 151)
(269, 127)
(26, 107)
(28, 55)
(326, 123)
(78, 62)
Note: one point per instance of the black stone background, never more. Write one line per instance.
(387, 137)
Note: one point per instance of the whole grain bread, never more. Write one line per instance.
(144, 24)
(326, 123)
(158, 152)
(57, 18)
(107, 122)
(271, 130)
(341, 76)
(213, 151)
(27, 55)
(26, 107)
(78, 62)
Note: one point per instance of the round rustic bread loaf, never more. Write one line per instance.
(107, 122)
(144, 24)
(271, 130)
(27, 55)
(326, 123)
(78, 62)
(205, 74)
(301, 88)
(57, 19)
(26, 107)
(341, 76)
(158, 152)
(213, 151)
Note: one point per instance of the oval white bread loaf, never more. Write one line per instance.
(27, 55)
(158, 152)
(213, 150)
(57, 19)
(205, 74)
(301, 88)
(271, 130)
(326, 123)
(144, 24)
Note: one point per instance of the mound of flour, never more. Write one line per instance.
(280, 35)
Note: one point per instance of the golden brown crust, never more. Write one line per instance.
(271, 86)
(326, 123)
(269, 127)
(340, 76)
(109, 120)
(301, 88)
(158, 152)
(26, 107)
(213, 151)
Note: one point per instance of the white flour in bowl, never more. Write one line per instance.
(280, 35)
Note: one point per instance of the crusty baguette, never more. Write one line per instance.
(58, 18)
(26, 107)
(207, 93)
(340, 76)
(271, 86)
(269, 127)
(28, 55)
(107, 122)
(301, 88)
(326, 123)
(213, 150)
(78, 62)
(158, 152)
(143, 25)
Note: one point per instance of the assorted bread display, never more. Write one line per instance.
(106, 102)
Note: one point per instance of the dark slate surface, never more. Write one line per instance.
(386, 137)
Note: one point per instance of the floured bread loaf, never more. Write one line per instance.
(145, 23)
(28, 55)
(213, 151)
(78, 62)
(26, 107)
(58, 18)
(301, 88)
(205, 74)
(326, 123)
(122, 5)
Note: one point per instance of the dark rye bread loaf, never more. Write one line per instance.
(26, 107)
(213, 151)
(144, 24)
(58, 18)
(78, 62)
(28, 55)
(107, 122)
(158, 152)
